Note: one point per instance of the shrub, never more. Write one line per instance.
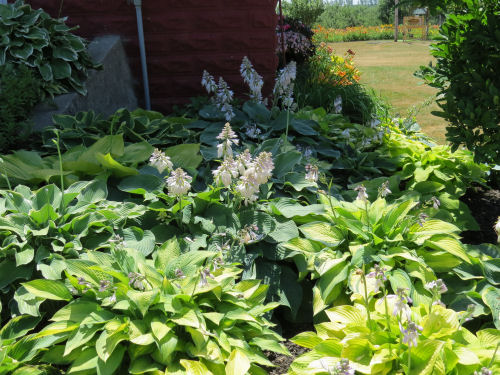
(34, 39)
(466, 74)
(298, 41)
(19, 93)
(341, 16)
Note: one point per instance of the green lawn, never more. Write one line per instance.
(388, 68)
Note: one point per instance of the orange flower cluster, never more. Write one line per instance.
(332, 69)
(323, 34)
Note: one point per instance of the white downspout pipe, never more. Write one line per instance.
(142, 48)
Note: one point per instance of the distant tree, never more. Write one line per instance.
(306, 11)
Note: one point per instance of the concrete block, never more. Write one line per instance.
(107, 90)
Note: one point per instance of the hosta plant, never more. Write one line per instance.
(414, 341)
(42, 228)
(173, 314)
(416, 248)
(46, 45)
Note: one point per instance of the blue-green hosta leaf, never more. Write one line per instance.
(286, 162)
(285, 230)
(289, 208)
(27, 303)
(492, 271)
(237, 364)
(136, 238)
(22, 52)
(44, 214)
(141, 184)
(264, 222)
(325, 233)
(186, 156)
(298, 181)
(449, 244)
(48, 289)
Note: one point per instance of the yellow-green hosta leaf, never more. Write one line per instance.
(195, 368)
(119, 170)
(424, 357)
(441, 322)
(238, 363)
(431, 227)
(488, 337)
(159, 328)
(307, 339)
(359, 352)
(323, 232)
(449, 244)
(347, 315)
(466, 357)
(48, 289)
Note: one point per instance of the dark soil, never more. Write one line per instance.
(484, 204)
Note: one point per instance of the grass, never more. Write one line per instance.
(388, 68)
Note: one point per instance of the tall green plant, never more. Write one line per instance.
(305, 10)
(467, 78)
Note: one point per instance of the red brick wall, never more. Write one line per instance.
(182, 39)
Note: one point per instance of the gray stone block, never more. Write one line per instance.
(107, 90)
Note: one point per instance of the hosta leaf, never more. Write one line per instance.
(346, 315)
(289, 208)
(86, 362)
(298, 181)
(110, 366)
(195, 368)
(322, 232)
(141, 184)
(48, 289)
(115, 167)
(142, 241)
(307, 339)
(165, 253)
(449, 244)
(285, 230)
(285, 162)
(491, 297)
(238, 363)
(185, 156)
(18, 326)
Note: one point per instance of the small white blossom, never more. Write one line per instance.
(203, 277)
(136, 280)
(249, 234)
(374, 123)
(178, 183)
(346, 133)
(223, 99)
(160, 161)
(118, 241)
(252, 131)
(422, 218)
(401, 305)
(263, 167)
(312, 172)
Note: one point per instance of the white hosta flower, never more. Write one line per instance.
(208, 82)
(346, 133)
(160, 161)
(223, 99)
(384, 190)
(262, 167)
(410, 334)
(374, 123)
(337, 104)
(401, 305)
(178, 183)
(228, 138)
(312, 172)
(252, 79)
(436, 287)
(283, 88)
(497, 226)
(249, 234)
(225, 173)
(247, 187)
(378, 274)
(244, 161)
(484, 371)
(343, 368)
(362, 195)
(435, 203)
(252, 131)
